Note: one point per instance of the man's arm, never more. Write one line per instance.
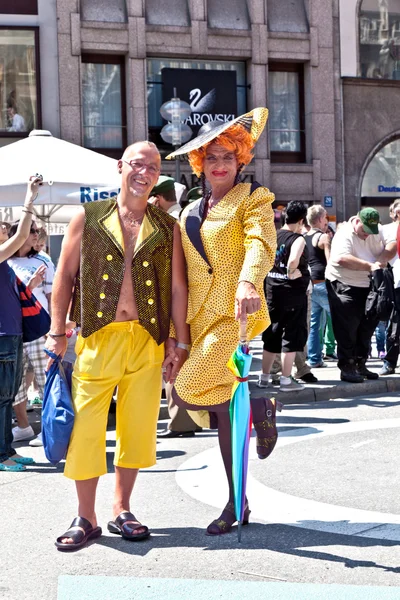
(67, 269)
(324, 243)
(175, 357)
(357, 264)
(389, 252)
(179, 290)
(295, 254)
(260, 249)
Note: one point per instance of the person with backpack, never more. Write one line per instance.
(359, 249)
(393, 327)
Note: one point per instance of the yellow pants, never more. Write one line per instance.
(124, 355)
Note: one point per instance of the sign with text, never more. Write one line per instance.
(328, 201)
(210, 94)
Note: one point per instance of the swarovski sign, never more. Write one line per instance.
(211, 94)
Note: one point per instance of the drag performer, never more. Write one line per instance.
(229, 241)
(125, 259)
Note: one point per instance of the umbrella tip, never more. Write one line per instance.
(239, 531)
(37, 132)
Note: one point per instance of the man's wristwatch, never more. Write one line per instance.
(186, 347)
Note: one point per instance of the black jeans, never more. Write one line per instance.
(393, 333)
(10, 380)
(352, 329)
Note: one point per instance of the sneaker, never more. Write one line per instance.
(37, 441)
(382, 355)
(387, 369)
(21, 434)
(309, 378)
(351, 375)
(366, 373)
(263, 381)
(319, 365)
(293, 386)
(330, 357)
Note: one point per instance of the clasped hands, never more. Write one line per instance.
(173, 361)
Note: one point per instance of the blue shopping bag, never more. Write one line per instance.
(57, 410)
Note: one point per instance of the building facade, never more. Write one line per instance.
(370, 69)
(119, 60)
(29, 88)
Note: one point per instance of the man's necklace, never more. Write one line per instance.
(131, 219)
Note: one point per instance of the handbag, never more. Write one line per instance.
(57, 410)
(35, 319)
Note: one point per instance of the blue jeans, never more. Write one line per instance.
(10, 378)
(319, 304)
(380, 336)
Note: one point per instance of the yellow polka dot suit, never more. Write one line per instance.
(236, 242)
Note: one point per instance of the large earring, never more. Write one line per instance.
(203, 185)
(237, 177)
(120, 171)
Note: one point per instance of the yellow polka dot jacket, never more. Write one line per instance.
(99, 281)
(236, 242)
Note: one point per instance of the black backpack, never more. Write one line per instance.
(380, 301)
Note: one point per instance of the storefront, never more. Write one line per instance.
(381, 183)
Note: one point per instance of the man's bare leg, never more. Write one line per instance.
(124, 482)
(86, 490)
(287, 363)
(21, 414)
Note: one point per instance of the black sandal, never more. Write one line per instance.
(123, 526)
(227, 519)
(267, 433)
(80, 531)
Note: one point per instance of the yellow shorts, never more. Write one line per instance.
(124, 355)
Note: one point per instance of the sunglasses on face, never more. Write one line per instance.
(33, 230)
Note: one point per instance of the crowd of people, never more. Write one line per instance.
(149, 291)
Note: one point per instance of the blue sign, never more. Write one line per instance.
(328, 201)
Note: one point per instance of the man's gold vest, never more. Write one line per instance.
(99, 280)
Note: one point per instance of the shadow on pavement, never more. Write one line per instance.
(284, 539)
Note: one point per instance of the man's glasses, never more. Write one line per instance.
(33, 230)
(138, 166)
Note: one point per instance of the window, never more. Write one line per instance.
(196, 96)
(228, 14)
(286, 116)
(105, 11)
(286, 15)
(18, 7)
(173, 12)
(19, 78)
(380, 39)
(103, 100)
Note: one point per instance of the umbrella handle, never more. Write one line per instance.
(243, 329)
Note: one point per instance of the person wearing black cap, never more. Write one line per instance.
(358, 249)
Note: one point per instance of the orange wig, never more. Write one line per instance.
(235, 139)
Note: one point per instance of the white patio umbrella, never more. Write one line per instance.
(71, 174)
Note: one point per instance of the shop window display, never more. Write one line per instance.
(18, 81)
(379, 23)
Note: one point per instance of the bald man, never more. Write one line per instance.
(123, 258)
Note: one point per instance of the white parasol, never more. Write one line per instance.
(71, 174)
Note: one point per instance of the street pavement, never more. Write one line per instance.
(325, 519)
